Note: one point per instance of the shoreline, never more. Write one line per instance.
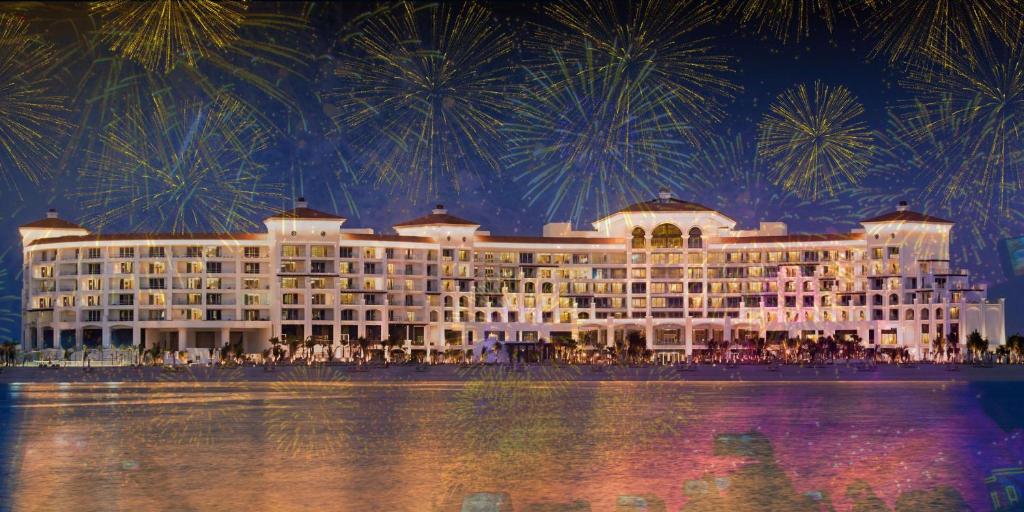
(398, 374)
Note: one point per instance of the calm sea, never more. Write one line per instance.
(502, 443)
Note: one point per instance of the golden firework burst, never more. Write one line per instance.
(649, 44)
(311, 408)
(903, 28)
(421, 93)
(196, 419)
(815, 141)
(786, 20)
(31, 112)
(972, 101)
(587, 139)
(160, 34)
(183, 166)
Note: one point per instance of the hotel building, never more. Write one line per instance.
(676, 272)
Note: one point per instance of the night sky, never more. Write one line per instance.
(291, 70)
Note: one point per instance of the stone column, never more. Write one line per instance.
(106, 337)
(688, 332)
(649, 332)
(182, 338)
(78, 338)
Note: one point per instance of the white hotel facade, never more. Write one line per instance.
(677, 272)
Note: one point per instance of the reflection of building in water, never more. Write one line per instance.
(678, 275)
(1004, 488)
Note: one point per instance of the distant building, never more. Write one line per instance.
(678, 273)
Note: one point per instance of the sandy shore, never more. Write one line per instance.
(839, 372)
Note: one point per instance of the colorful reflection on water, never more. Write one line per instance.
(502, 444)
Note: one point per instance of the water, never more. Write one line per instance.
(300, 445)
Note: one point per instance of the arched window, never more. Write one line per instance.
(938, 313)
(547, 288)
(448, 301)
(433, 316)
(924, 314)
(463, 302)
(876, 300)
(638, 238)
(666, 236)
(694, 241)
(584, 316)
(479, 316)
(909, 315)
(495, 317)
(529, 288)
(894, 299)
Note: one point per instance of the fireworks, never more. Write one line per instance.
(650, 45)
(30, 112)
(421, 93)
(815, 143)
(615, 412)
(590, 139)
(159, 34)
(903, 28)
(202, 421)
(905, 169)
(311, 421)
(180, 167)
(785, 19)
(726, 169)
(974, 101)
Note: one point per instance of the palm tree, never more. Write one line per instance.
(953, 346)
(976, 345)
(275, 348)
(344, 346)
(937, 346)
(1015, 344)
(363, 345)
(308, 344)
(388, 343)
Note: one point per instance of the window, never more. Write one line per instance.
(694, 241)
(193, 252)
(345, 252)
(638, 238)
(290, 251)
(318, 267)
(252, 268)
(666, 236)
(126, 252)
(156, 283)
(213, 314)
(213, 267)
(252, 252)
(319, 251)
(93, 253)
(156, 252)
